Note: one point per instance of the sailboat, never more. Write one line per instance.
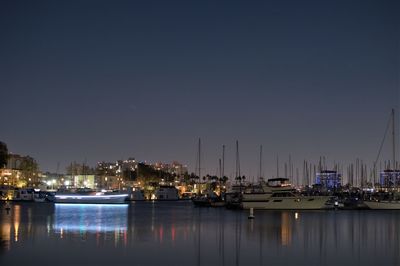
(233, 197)
(200, 200)
(209, 198)
(390, 201)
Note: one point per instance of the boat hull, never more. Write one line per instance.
(383, 205)
(288, 203)
(103, 199)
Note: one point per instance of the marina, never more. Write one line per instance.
(207, 133)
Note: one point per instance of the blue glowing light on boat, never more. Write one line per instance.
(90, 217)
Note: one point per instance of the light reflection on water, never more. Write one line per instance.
(178, 234)
(90, 218)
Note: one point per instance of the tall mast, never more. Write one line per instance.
(199, 150)
(223, 160)
(393, 141)
(261, 175)
(199, 158)
(238, 163)
(72, 179)
(220, 169)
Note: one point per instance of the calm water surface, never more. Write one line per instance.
(176, 233)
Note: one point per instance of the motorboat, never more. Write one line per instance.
(383, 205)
(278, 194)
(89, 196)
(384, 201)
(288, 201)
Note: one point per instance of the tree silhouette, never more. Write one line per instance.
(3, 154)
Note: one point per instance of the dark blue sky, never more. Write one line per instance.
(104, 80)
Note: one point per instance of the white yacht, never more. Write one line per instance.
(90, 197)
(384, 201)
(383, 205)
(278, 194)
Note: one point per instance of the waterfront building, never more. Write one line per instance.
(108, 182)
(175, 168)
(11, 177)
(390, 178)
(51, 181)
(20, 171)
(80, 181)
(105, 168)
(329, 179)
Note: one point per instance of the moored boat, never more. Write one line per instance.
(278, 194)
(210, 199)
(23, 194)
(90, 197)
(288, 201)
(383, 205)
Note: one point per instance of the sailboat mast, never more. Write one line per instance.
(199, 165)
(220, 169)
(223, 160)
(260, 177)
(199, 150)
(393, 141)
(238, 163)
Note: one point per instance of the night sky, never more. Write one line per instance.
(106, 80)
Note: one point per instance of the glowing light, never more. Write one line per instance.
(91, 196)
(296, 215)
(90, 218)
(17, 219)
(91, 206)
(67, 183)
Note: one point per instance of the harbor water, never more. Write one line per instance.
(176, 233)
